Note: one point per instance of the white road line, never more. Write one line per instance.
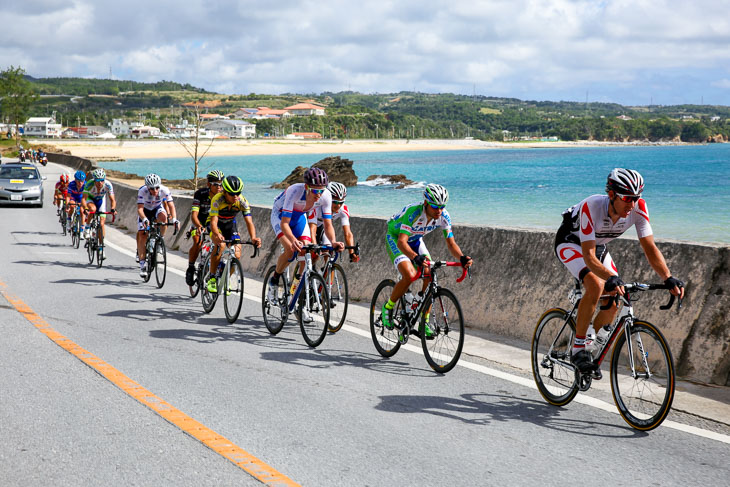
(581, 399)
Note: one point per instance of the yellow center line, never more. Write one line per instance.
(219, 444)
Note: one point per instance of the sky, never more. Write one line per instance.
(632, 52)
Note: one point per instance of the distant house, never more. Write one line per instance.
(88, 132)
(624, 117)
(145, 131)
(304, 135)
(208, 117)
(266, 112)
(233, 128)
(242, 113)
(122, 127)
(42, 127)
(305, 109)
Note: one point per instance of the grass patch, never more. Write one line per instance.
(489, 111)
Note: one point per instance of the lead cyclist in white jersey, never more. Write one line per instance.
(154, 203)
(580, 246)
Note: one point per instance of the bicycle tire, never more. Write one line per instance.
(314, 329)
(209, 299)
(160, 262)
(62, 220)
(99, 250)
(75, 235)
(385, 339)
(339, 297)
(90, 242)
(233, 290)
(552, 342)
(443, 348)
(149, 260)
(643, 402)
(275, 314)
(197, 278)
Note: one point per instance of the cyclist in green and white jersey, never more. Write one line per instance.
(405, 244)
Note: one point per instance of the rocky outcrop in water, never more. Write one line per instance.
(337, 168)
(400, 180)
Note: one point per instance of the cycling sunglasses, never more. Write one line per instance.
(437, 207)
(317, 191)
(628, 199)
(155, 188)
(216, 184)
(338, 202)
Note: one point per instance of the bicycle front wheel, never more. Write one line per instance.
(233, 290)
(274, 304)
(207, 297)
(90, 243)
(337, 287)
(552, 343)
(197, 279)
(160, 262)
(642, 376)
(99, 250)
(75, 233)
(442, 337)
(385, 339)
(313, 310)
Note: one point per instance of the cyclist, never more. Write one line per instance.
(199, 217)
(154, 203)
(407, 251)
(580, 244)
(95, 191)
(289, 219)
(224, 207)
(339, 212)
(75, 195)
(60, 193)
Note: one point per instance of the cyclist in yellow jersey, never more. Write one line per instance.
(222, 220)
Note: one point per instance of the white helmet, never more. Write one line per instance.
(99, 174)
(152, 181)
(436, 194)
(338, 190)
(625, 182)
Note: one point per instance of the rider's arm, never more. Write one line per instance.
(456, 250)
(248, 219)
(140, 212)
(313, 232)
(404, 247)
(329, 230)
(171, 208)
(349, 237)
(657, 262)
(594, 265)
(113, 201)
(214, 227)
(194, 218)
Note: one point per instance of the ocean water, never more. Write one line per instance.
(687, 187)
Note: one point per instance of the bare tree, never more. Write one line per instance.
(195, 148)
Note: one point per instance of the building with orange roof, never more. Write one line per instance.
(305, 109)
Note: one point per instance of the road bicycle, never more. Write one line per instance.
(156, 252)
(642, 369)
(334, 277)
(95, 243)
(75, 227)
(309, 300)
(434, 316)
(63, 217)
(206, 246)
(229, 282)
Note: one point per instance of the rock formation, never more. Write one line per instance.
(337, 168)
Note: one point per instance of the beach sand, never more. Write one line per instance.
(151, 149)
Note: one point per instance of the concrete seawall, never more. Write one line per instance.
(517, 277)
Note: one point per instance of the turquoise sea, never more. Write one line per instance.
(687, 187)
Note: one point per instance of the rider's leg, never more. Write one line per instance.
(161, 217)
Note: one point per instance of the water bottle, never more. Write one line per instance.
(294, 283)
(409, 299)
(602, 337)
(590, 338)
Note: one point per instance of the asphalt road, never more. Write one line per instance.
(337, 415)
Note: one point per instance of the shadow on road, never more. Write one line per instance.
(484, 408)
(76, 265)
(35, 233)
(322, 358)
(45, 244)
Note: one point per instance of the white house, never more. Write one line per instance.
(42, 127)
(233, 128)
(144, 131)
(304, 109)
(122, 127)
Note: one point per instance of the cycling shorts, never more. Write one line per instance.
(100, 204)
(229, 229)
(298, 224)
(151, 215)
(570, 253)
(395, 254)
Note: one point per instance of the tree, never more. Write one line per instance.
(17, 95)
(193, 147)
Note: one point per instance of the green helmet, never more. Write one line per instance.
(215, 175)
(232, 185)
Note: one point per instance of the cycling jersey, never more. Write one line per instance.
(76, 191)
(61, 189)
(413, 221)
(343, 214)
(226, 212)
(292, 203)
(150, 201)
(91, 192)
(201, 204)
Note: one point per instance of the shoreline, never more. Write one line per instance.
(151, 149)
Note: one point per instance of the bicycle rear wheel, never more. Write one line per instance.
(233, 290)
(90, 245)
(149, 260)
(160, 262)
(442, 346)
(275, 310)
(62, 219)
(207, 297)
(552, 343)
(385, 339)
(197, 279)
(99, 250)
(75, 232)
(643, 393)
(337, 287)
(313, 310)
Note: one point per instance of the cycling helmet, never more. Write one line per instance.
(99, 174)
(215, 175)
(626, 182)
(316, 177)
(80, 175)
(152, 181)
(338, 190)
(63, 179)
(232, 185)
(436, 194)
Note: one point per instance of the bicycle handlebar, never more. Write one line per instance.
(435, 264)
(639, 286)
(113, 213)
(248, 242)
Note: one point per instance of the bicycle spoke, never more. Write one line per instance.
(442, 336)
(551, 345)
